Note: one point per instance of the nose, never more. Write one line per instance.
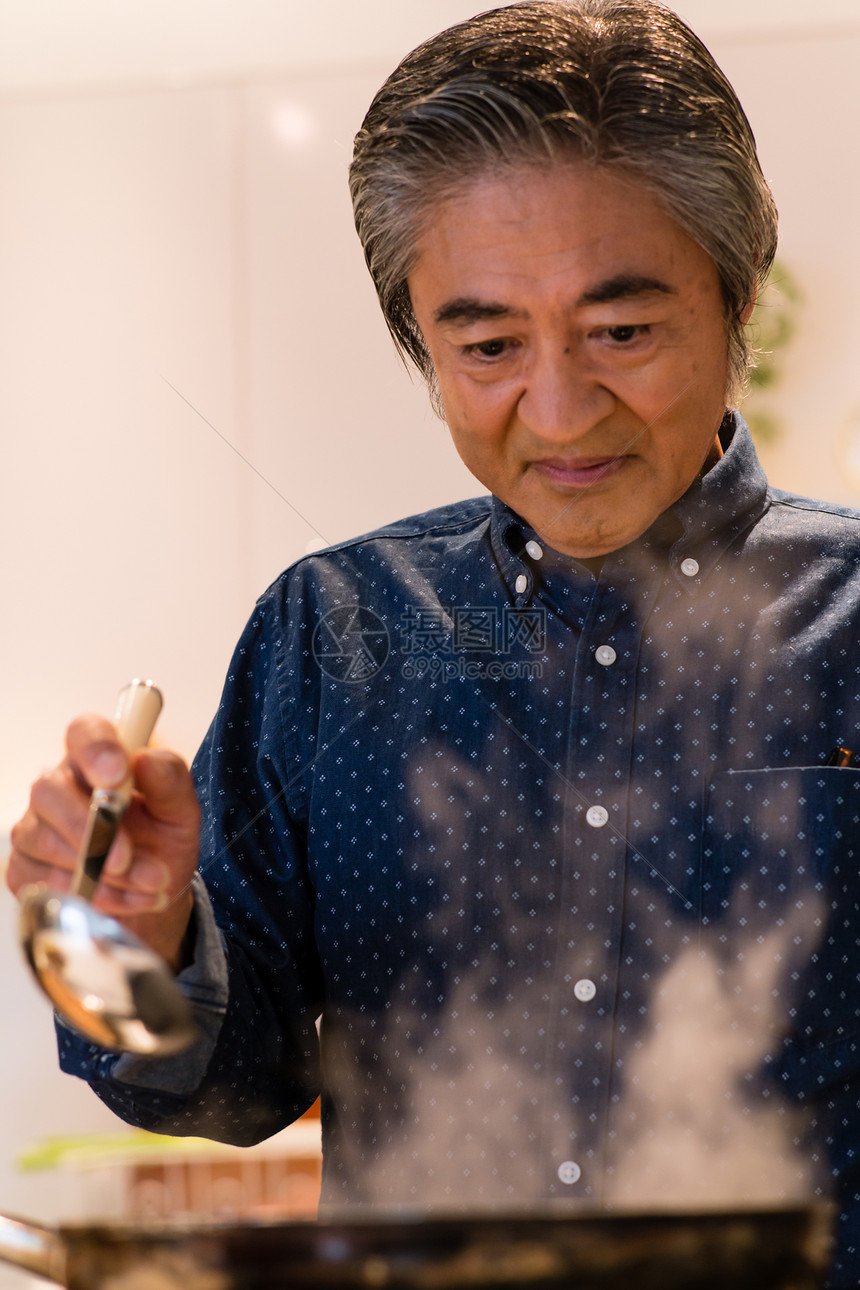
(563, 400)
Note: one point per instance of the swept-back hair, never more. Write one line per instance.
(623, 84)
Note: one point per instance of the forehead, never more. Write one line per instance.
(554, 228)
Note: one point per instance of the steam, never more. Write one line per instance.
(466, 1088)
(475, 1120)
(696, 1127)
(468, 1117)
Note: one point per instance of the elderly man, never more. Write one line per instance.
(531, 799)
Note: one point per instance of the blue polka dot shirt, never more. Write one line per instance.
(540, 874)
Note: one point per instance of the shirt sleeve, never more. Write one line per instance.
(255, 982)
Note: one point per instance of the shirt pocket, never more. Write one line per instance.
(781, 889)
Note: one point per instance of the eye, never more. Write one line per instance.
(487, 349)
(624, 333)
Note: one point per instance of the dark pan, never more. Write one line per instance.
(765, 1249)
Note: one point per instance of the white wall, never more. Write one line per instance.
(180, 284)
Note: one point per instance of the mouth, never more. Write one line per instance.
(578, 472)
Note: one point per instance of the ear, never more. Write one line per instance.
(746, 312)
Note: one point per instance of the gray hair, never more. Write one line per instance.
(621, 83)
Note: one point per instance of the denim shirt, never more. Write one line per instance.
(556, 858)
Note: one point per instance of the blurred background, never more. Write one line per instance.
(196, 387)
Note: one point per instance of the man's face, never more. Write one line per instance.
(580, 345)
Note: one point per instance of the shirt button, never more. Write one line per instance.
(521, 583)
(690, 567)
(585, 990)
(597, 816)
(569, 1172)
(606, 655)
(534, 549)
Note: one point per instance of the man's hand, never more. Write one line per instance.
(146, 879)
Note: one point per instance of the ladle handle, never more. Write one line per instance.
(137, 711)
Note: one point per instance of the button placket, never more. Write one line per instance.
(602, 714)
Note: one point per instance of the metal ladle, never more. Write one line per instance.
(102, 980)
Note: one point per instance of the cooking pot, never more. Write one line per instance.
(763, 1249)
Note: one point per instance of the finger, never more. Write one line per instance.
(145, 887)
(94, 752)
(161, 826)
(165, 782)
(22, 871)
(59, 804)
(36, 843)
(46, 839)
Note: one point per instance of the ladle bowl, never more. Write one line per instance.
(102, 980)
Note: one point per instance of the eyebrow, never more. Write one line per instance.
(464, 310)
(622, 286)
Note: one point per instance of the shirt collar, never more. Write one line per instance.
(721, 505)
(715, 510)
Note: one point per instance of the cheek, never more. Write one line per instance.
(481, 447)
(479, 413)
(472, 442)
